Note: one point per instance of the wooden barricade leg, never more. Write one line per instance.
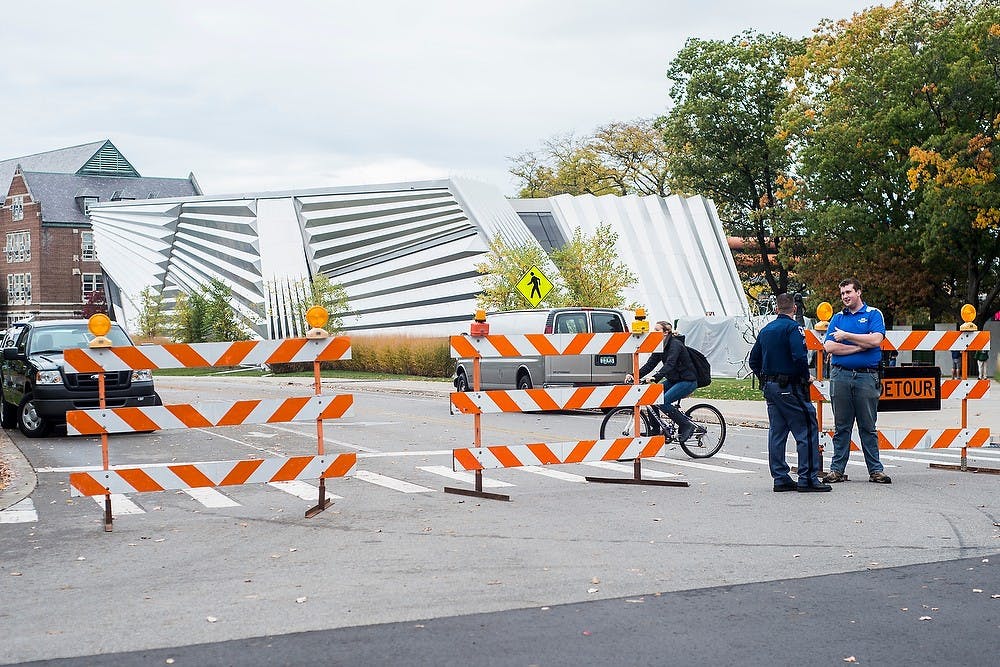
(637, 478)
(323, 502)
(478, 491)
(477, 439)
(105, 459)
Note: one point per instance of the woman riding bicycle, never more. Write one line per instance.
(681, 380)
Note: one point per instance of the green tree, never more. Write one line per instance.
(223, 322)
(723, 141)
(504, 264)
(618, 158)
(590, 269)
(190, 323)
(152, 320)
(881, 105)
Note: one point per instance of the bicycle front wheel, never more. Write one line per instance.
(620, 423)
(709, 431)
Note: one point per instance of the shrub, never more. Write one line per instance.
(391, 355)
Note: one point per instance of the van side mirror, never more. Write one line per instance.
(10, 354)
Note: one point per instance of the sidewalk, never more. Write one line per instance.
(981, 413)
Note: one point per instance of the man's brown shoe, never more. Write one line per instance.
(880, 478)
(833, 477)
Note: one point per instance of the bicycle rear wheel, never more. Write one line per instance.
(709, 431)
(620, 423)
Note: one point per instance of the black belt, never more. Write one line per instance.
(787, 379)
(867, 369)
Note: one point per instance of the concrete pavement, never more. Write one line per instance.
(981, 413)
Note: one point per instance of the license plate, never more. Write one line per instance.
(605, 360)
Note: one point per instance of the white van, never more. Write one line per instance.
(548, 371)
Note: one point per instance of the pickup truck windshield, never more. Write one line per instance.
(62, 337)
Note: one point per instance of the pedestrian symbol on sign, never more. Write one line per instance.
(534, 286)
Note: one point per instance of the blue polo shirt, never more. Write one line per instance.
(866, 320)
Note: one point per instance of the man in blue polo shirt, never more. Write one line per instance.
(854, 341)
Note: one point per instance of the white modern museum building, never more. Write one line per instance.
(406, 254)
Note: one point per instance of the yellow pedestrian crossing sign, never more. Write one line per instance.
(534, 286)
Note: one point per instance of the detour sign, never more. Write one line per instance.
(911, 388)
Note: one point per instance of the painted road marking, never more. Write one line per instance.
(467, 477)
(209, 497)
(302, 490)
(390, 482)
(554, 474)
(120, 504)
(22, 511)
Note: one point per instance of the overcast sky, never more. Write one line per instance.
(273, 95)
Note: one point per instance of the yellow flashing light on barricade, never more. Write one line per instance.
(99, 325)
(824, 312)
(479, 326)
(968, 314)
(316, 318)
(640, 325)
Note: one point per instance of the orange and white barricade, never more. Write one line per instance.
(102, 358)
(479, 344)
(952, 390)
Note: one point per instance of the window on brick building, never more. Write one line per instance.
(17, 208)
(92, 283)
(87, 251)
(18, 288)
(18, 247)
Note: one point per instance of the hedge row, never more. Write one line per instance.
(394, 355)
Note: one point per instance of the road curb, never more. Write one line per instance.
(23, 479)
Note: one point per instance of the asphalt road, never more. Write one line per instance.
(644, 573)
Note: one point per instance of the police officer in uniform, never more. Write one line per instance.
(779, 360)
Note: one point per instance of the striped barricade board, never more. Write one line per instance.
(512, 456)
(951, 390)
(208, 414)
(919, 340)
(209, 474)
(526, 345)
(555, 398)
(204, 355)
(920, 438)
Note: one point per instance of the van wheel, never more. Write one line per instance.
(524, 381)
(461, 382)
(32, 424)
(8, 414)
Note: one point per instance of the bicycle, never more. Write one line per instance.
(707, 439)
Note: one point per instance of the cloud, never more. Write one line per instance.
(259, 92)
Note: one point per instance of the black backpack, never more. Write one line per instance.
(702, 368)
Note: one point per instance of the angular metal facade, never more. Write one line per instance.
(405, 253)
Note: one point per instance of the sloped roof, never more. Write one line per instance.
(96, 158)
(58, 192)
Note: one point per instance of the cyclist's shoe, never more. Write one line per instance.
(685, 432)
(880, 478)
(833, 477)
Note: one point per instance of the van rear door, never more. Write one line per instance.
(608, 368)
(569, 369)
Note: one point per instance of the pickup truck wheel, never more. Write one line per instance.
(461, 382)
(524, 381)
(8, 414)
(32, 424)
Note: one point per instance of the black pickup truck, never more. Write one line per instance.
(37, 391)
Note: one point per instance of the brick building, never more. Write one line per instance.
(50, 264)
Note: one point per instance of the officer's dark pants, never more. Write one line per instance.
(789, 411)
